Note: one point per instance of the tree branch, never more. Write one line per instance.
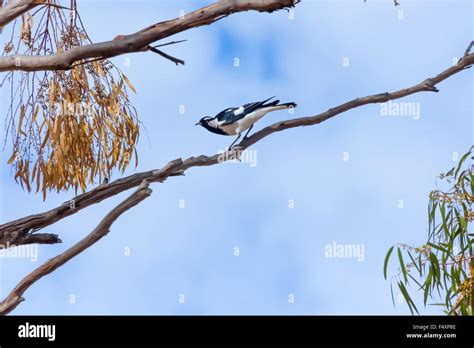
(22, 231)
(16, 8)
(166, 56)
(16, 296)
(428, 85)
(139, 41)
(19, 231)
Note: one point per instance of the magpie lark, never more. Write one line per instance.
(234, 121)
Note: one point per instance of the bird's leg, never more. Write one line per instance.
(245, 136)
(230, 147)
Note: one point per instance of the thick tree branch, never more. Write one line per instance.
(16, 8)
(16, 296)
(23, 230)
(139, 41)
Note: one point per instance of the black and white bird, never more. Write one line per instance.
(234, 121)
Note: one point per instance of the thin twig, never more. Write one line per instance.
(170, 43)
(177, 61)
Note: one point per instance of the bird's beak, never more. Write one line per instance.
(197, 124)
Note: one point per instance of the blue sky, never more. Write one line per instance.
(299, 197)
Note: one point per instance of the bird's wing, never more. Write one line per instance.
(226, 115)
(232, 115)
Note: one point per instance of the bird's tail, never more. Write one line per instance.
(283, 105)
(289, 105)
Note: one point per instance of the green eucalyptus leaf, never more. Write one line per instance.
(385, 263)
